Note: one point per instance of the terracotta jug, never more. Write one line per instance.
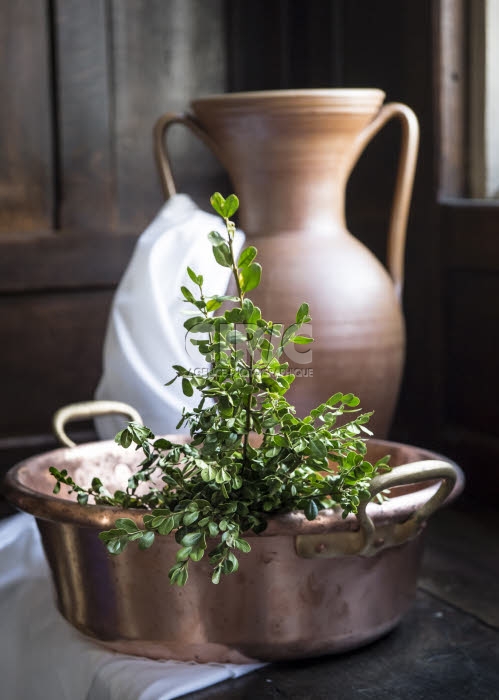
(289, 155)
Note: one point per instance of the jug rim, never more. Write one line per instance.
(340, 93)
(337, 100)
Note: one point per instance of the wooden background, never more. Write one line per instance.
(82, 83)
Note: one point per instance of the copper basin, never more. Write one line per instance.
(305, 589)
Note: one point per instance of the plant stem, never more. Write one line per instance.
(234, 266)
(248, 415)
(230, 231)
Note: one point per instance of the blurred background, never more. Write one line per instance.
(81, 85)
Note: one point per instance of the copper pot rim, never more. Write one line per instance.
(397, 508)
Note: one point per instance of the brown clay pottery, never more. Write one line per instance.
(289, 155)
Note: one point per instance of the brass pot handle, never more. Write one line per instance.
(426, 470)
(88, 409)
(161, 151)
(404, 183)
(368, 540)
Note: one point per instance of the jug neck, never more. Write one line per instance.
(289, 153)
(289, 196)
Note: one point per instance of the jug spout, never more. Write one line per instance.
(289, 153)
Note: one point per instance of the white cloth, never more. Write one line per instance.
(42, 656)
(145, 334)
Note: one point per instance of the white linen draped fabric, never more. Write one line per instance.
(42, 656)
(145, 334)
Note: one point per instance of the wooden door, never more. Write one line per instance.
(82, 84)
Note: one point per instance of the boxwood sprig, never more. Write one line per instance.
(223, 484)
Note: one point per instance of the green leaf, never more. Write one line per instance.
(162, 444)
(353, 401)
(225, 297)
(234, 337)
(117, 545)
(247, 256)
(301, 340)
(213, 305)
(191, 323)
(224, 207)
(222, 255)
(146, 540)
(311, 510)
(197, 554)
(188, 295)
(187, 387)
(126, 524)
(231, 205)
(288, 333)
(218, 203)
(213, 529)
(124, 438)
(191, 539)
(243, 545)
(178, 575)
(216, 238)
(336, 398)
(166, 526)
(208, 474)
(231, 564)
(183, 553)
(205, 326)
(302, 313)
(197, 279)
(215, 578)
(249, 277)
(190, 518)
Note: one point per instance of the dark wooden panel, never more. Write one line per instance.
(164, 54)
(258, 45)
(85, 115)
(299, 44)
(472, 339)
(388, 45)
(478, 454)
(65, 260)
(51, 347)
(26, 168)
(470, 234)
(369, 62)
(422, 391)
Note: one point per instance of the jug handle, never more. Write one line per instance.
(403, 185)
(161, 150)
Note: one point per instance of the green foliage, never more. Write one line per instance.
(223, 484)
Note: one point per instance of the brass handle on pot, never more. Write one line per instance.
(412, 473)
(369, 539)
(88, 409)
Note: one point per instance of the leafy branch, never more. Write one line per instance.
(223, 483)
